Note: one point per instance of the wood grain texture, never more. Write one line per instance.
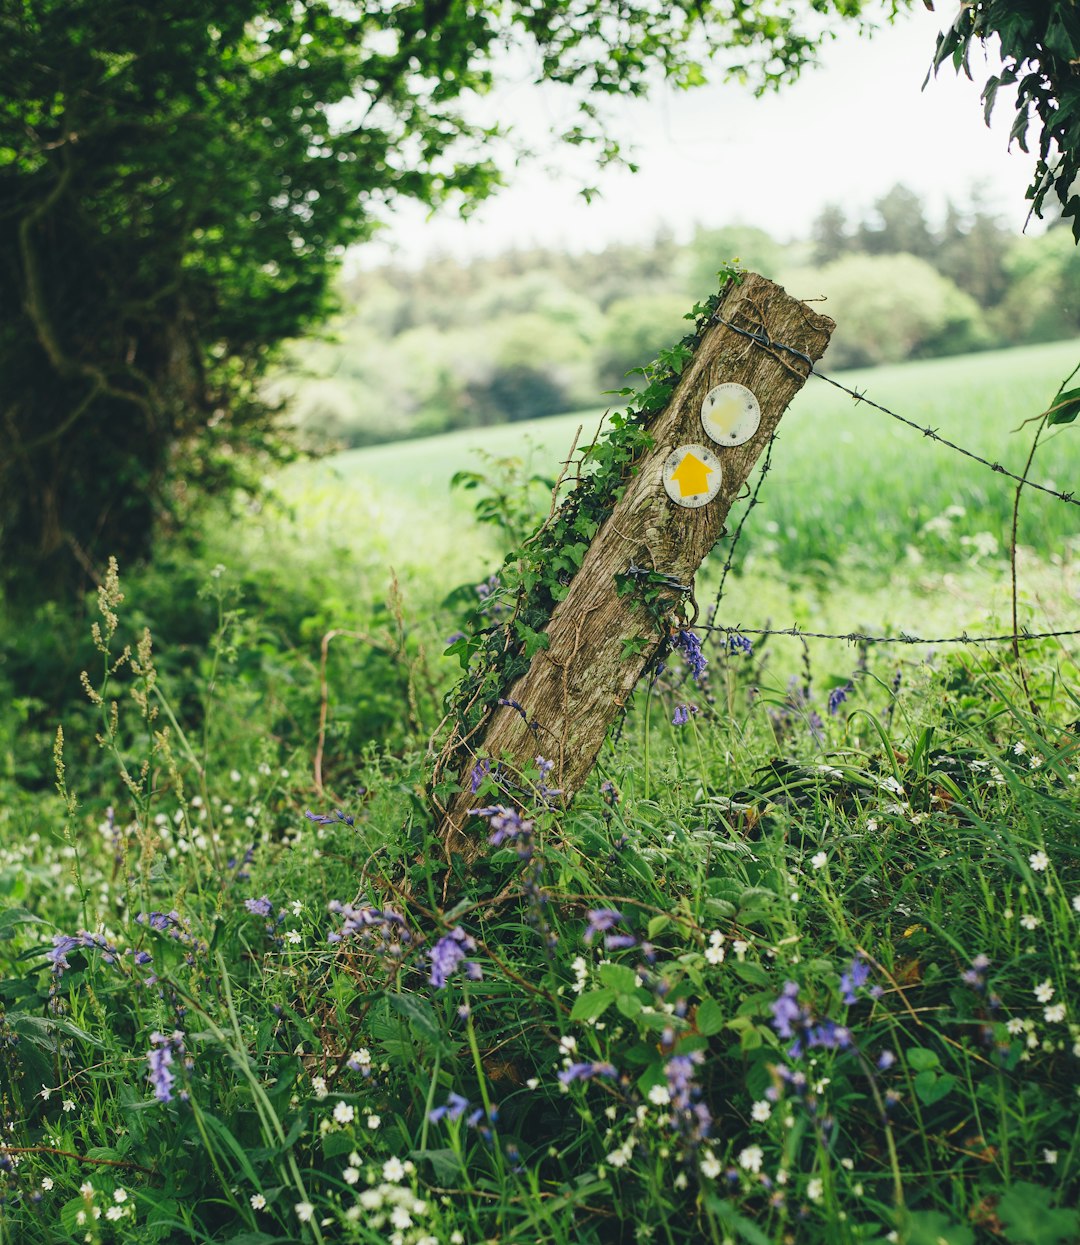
(574, 688)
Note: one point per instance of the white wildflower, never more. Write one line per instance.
(304, 1211)
(819, 860)
(393, 1170)
(344, 1113)
(751, 1158)
(815, 1189)
(1039, 861)
(1044, 991)
(258, 1202)
(761, 1111)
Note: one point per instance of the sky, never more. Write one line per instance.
(845, 133)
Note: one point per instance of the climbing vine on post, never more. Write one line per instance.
(596, 595)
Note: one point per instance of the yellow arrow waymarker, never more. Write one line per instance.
(692, 475)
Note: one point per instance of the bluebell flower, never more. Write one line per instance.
(601, 920)
(477, 775)
(854, 979)
(682, 714)
(453, 1109)
(690, 646)
(160, 1061)
(330, 819)
(259, 907)
(837, 697)
(450, 950)
(740, 644)
(586, 1071)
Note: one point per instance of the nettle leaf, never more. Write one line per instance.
(710, 1017)
(619, 977)
(1029, 1218)
(593, 1004)
(1066, 407)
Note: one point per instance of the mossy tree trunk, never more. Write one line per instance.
(601, 640)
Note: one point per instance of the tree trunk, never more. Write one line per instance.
(601, 641)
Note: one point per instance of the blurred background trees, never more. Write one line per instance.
(446, 345)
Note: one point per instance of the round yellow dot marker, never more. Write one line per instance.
(692, 476)
(730, 414)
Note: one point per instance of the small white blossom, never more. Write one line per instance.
(819, 860)
(1039, 861)
(659, 1095)
(1015, 1026)
(400, 1218)
(815, 1189)
(1076, 903)
(393, 1170)
(740, 947)
(567, 1044)
(351, 1175)
(68, 1106)
(86, 1189)
(120, 1195)
(304, 1211)
(761, 1111)
(1019, 749)
(751, 1158)
(374, 1121)
(711, 1166)
(1044, 991)
(318, 1084)
(46, 1183)
(1030, 922)
(114, 1213)
(258, 1202)
(1054, 1014)
(1050, 1157)
(294, 936)
(344, 1113)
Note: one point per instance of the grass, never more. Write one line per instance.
(801, 970)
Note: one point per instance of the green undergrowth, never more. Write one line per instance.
(801, 969)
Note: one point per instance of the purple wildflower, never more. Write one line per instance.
(453, 1109)
(739, 644)
(690, 646)
(382, 929)
(586, 1071)
(975, 976)
(160, 1060)
(682, 714)
(886, 1060)
(448, 953)
(837, 697)
(619, 942)
(854, 979)
(601, 920)
(330, 819)
(690, 1115)
(259, 907)
(477, 775)
(786, 1010)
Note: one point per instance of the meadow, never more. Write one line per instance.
(799, 965)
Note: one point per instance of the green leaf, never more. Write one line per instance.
(931, 1088)
(445, 1164)
(710, 1017)
(753, 973)
(12, 918)
(593, 1004)
(657, 925)
(1066, 407)
(619, 977)
(419, 1013)
(931, 1227)
(1030, 1219)
(745, 1229)
(920, 1058)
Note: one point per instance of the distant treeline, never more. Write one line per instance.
(535, 332)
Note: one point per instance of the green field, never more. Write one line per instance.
(917, 534)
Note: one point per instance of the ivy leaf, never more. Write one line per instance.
(1066, 407)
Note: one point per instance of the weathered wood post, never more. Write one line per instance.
(672, 512)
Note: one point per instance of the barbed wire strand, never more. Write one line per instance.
(763, 339)
(858, 637)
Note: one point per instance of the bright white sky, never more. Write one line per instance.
(716, 156)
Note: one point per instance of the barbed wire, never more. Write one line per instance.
(858, 637)
(763, 339)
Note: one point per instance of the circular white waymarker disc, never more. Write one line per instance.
(730, 414)
(692, 475)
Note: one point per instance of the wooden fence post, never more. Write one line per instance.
(669, 517)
